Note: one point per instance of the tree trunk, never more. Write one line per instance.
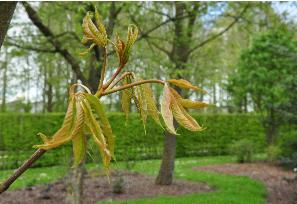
(166, 171)
(3, 103)
(6, 12)
(74, 185)
(271, 128)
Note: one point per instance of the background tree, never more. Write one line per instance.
(266, 73)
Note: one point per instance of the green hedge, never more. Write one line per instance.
(18, 134)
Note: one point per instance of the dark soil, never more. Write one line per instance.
(96, 188)
(281, 185)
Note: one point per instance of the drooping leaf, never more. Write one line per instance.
(63, 135)
(104, 123)
(141, 103)
(79, 146)
(151, 103)
(185, 84)
(187, 103)
(126, 98)
(166, 110)
(96, 133)
(184, 118)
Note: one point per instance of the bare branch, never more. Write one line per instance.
(5, 185)
(56, 44)
(236, 19)
(31, 48)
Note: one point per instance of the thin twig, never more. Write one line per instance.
(5, 185)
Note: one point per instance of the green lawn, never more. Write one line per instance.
(230, 189)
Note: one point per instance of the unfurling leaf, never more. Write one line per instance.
(173, 107)
(185, 84)
(96, 133)
(131, 38)
(151, 104)
(94, 33)
(122, 49)
(79, 148)
(183, 118)
(63, 135)
(187, 103)
(104, 123)
(166, 110)
(141, 104)
(126, 98)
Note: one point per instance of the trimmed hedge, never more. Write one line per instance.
(18, 134)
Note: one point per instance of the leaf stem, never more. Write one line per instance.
(126, 86)
(103, 70)
(5, 185)
(118, 80)
(105, 86)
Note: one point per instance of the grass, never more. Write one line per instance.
(230, 189)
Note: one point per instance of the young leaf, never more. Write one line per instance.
(79, 148)
(131, 38)
(187, 103)
(183, 118)
(64, 133)
(106, 128)
(92, 33)
(185, 84)
(97, 134)
(126, 99)
(151, 104)
(166, 110)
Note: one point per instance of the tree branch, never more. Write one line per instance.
(236, 19)
(6, 13)
(5, 185)
(28, 47)
(56, 44)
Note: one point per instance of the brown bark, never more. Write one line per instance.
(271, 127)
(75, 185)
(165, 176)
(6, 13)
(179, 57)
(17, 173)
(3, 102)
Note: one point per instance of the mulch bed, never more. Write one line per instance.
(96, 188)
(281, 185)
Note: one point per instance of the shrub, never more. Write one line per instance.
(288, 149)
(273, 153)
(243, 150)
(18, 135)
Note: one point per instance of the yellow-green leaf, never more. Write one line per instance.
(63, 135)
(185, 84)
(151, 104)
(97, 134)
(79, 143)
(92, 33)
(105, 125)
(187, 103)
(166, 110)
(183, 118)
